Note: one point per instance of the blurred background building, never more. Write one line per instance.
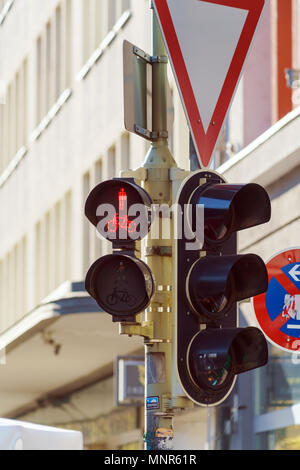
(61, 132)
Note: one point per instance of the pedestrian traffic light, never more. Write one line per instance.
(121, 283)
(210, 280)
(120, 210)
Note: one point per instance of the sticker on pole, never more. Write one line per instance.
(207, 42)
(152, 403)
(278, 310)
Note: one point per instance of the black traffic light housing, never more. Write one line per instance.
(121, 283)
(211, 279)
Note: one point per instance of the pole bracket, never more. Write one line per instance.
(144, 329)
(150, 135)
(156, 59)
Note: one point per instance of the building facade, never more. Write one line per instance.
(61, 133)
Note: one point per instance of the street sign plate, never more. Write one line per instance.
(137, 98)
(207, 43)
(130, 373)
(278, 310)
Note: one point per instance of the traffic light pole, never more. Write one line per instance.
(160, 178)
(158, 349)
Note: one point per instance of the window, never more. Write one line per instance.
(1, 138)
(53, 248)
(13, 117)
(13, 276)
(86, 225)
(5, 6)
(53, 59)
(58, 58)
(99, 17)
(111, 163)
(39, 80)
(48, 97)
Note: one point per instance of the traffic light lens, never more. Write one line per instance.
(121, 285)
(211, 367)
(214, 283)
(215, 304)
(216, 355)
(215, 231)
(120, 210)
(216, 377)
(229, 208)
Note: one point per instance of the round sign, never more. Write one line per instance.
(278, 310)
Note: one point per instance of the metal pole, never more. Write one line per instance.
(158, 349)
(194, 162)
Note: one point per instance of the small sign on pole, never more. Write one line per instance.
(137, 92)
(130, 373)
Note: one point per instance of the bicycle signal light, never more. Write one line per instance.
(122, 285)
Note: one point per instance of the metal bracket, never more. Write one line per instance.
(150, 135)
(162, 59)
(159, 251)
(142, 54)
(148, 58)
(144, 329)
(176, 403)
(140, 174)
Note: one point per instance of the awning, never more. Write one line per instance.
(18, 435)
(65, 344)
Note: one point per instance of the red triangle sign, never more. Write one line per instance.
(207, 42)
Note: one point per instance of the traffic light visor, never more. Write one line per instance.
(216, 355)
(229, 208)
(214, 283)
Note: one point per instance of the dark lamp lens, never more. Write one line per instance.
(122, 285)
(211, 369)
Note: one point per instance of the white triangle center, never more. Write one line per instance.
(208, 35)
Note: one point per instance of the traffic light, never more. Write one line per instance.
(121, 283)
(210, 279)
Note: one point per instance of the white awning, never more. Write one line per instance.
(18, 435)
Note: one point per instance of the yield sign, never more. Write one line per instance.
(207, 43)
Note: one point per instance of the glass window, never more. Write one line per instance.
(278, 383)
(281, 439)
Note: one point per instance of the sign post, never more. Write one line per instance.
(207, 42)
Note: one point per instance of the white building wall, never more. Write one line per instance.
(47, 174)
